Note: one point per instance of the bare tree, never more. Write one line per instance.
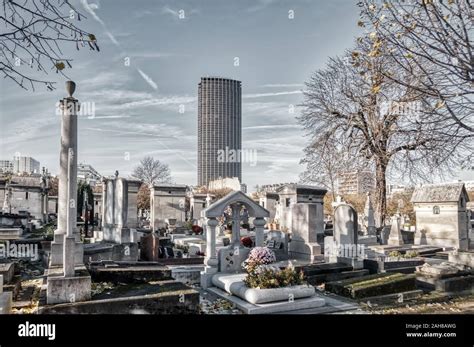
(32, 33)
(152, 171)
(352, 102)
(433, 42)
(325, 159)
(143, 197)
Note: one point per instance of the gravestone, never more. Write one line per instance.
(231, 259)
(345, 224)
(150, 245)
(343, 246)
(395, 238)
(120, 210)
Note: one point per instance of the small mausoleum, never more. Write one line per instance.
(441, 215)
(168, 205)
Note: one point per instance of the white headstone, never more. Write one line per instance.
(345, 225)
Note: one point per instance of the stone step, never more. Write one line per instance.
(395, 298)
(441, 255)
(318, 279)
(132, 274)
(403, 270)
(324, 268)
(373, 285)
(376, 266)
(160, 297)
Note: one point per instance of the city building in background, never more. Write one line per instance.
(225, 183)
(394, 189)
(355, 182)
(86, 173)
(26, 165)
(6, 166)
(219, 129)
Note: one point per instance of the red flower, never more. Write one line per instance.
(246, 242)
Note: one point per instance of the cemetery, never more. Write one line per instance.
(240, 254)
(145, 244)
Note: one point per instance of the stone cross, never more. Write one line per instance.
(235, 225)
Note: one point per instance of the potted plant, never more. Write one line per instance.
(265, 282)
(189, 227)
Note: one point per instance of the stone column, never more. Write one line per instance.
(68, 106)
(69, 239)
(235, 225)
(259, 223)
(62, 285)
(211, 259)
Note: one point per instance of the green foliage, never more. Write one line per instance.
(189, 225)
(266, 277)
(395, 254)
(411, 254)
(183, 248)
(47, 232)
(408, 254)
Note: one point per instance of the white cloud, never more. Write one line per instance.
(282, 85)
(168, 10)
(166, 100)
(262, 95)
(148, 79)
(270, 127)
(90, 10)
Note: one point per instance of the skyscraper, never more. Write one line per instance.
(219, 129)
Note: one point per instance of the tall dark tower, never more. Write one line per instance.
(219, 129)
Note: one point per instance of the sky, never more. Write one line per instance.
(139, 93)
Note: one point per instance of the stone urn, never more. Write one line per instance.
(70, 88)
